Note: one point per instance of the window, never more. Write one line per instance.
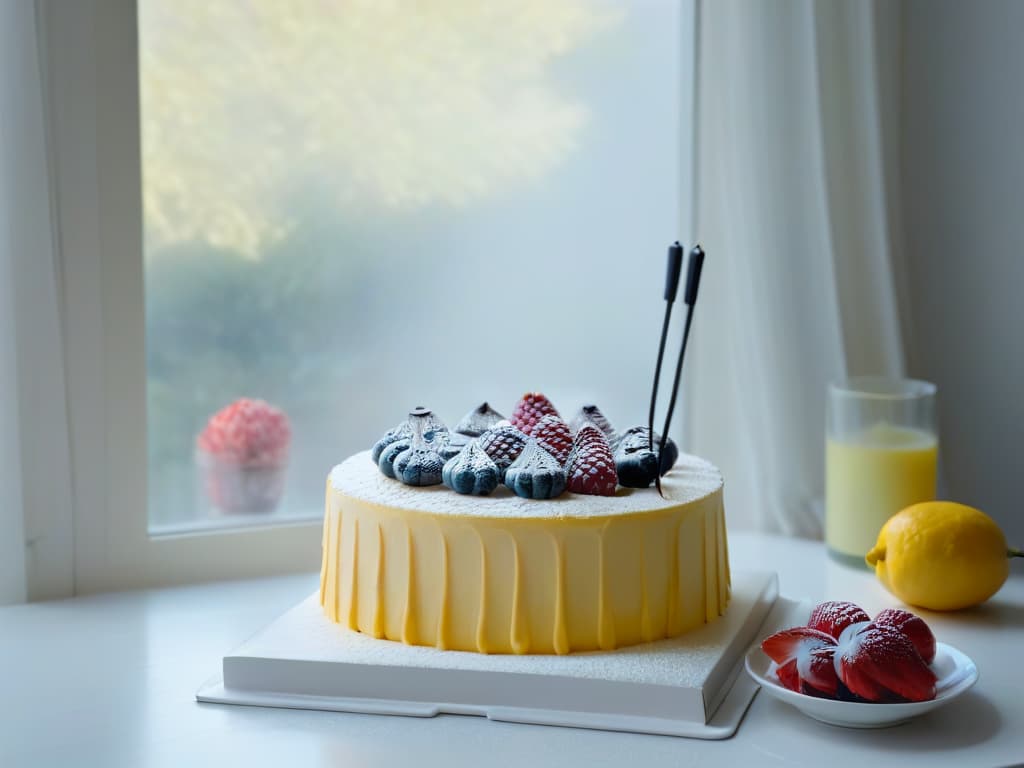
(345, 211)
(354, 208)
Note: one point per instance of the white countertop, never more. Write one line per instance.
(110, 680)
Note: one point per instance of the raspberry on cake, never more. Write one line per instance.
(531, 408)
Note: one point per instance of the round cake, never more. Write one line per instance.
(503, 574)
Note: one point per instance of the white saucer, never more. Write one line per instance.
(955, 670)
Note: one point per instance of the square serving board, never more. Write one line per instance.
(687, 686)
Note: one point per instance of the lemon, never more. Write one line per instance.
(941, 555)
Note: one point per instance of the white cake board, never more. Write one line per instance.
(687, 686)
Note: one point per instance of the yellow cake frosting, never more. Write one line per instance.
(501, 574)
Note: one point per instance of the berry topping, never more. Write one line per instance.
(834, 616)
(531, 408)
(471, 471)
(402, 432)
(536, 474)
(503, 444)
(478, 421)
(591, 468)
(390, 452)
(805, 659)
(636, 463)
(420, 463)
(249, 432)
(554, 436)
(879, 663)
(456, 442)
(914, 627)
(433, 434)
(591, 414)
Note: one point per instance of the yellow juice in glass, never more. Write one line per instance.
(869, 477)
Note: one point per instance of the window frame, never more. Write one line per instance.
(89, 56)
(89, 61)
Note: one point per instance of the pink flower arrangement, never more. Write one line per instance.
(243, 454)
(248, 432)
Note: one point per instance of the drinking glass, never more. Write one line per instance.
(881, 450)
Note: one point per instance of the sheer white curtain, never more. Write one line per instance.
(35, 476)
(795, 203)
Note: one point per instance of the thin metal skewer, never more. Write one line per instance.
(672, 273)
(690, 298)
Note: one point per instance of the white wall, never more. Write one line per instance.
(963, 198)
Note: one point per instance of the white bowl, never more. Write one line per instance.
(955, 671)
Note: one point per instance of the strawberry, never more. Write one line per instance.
(503, 444)
(879, 663)
(531, 408)
(554, 436)
(810, 653)
(834, 616)
(591, 467)
(914, 627)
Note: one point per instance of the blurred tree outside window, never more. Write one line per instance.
(352, 208)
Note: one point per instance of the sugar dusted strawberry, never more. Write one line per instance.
(788, 675)
(554, 436)
(531, 408)
(879, 663)
(914, 627)
(591, 466)
(810, 653)
(818, 673)
(834, 616)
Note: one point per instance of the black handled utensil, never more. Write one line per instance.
(672, 273)
(694, 268)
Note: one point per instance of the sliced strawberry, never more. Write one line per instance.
(805, 659)
(555, 437)
(834, 616)
(789, 676)
(817, 671)
(914, 627)
(861, 687)
(531, 408)
(784, 645)
(590, 468)
(874, 660)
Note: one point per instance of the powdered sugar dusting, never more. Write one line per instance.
(692, 479)
(685, 661)
(834, 616)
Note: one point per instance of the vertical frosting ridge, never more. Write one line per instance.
(523, 587)
(605, 616)
(442, 613)
(560, 636)
(674, 616)
(482, 644)
(379, 587)
(324, 560)
(410, 635)
(519, 636)
(353, 598)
